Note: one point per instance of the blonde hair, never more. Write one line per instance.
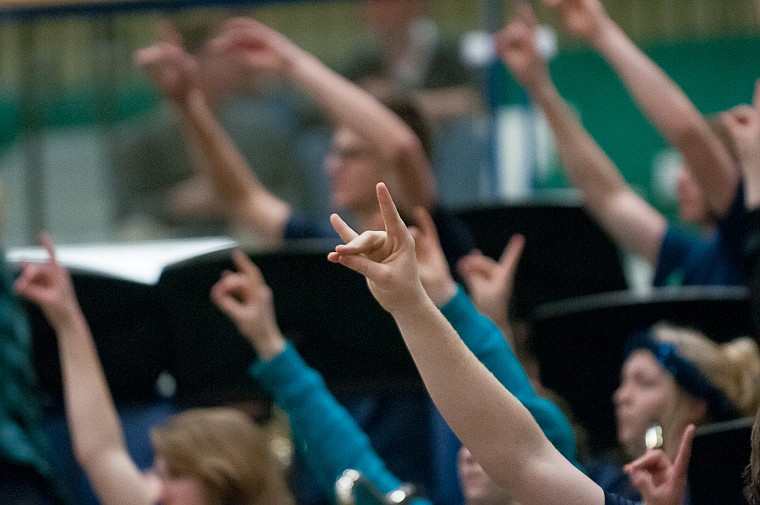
(225, 450)
(732, 367)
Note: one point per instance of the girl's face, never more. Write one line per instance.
(353, 168)
(177, 490)
(477, 487)
(641, 398)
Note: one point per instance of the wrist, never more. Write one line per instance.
(604, 36)
(268, 346)
(442, 293)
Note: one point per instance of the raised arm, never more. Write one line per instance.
(481, 335)
(743, 123)
(96, 432)
(240, 194)
(661, 100)
(323, 430)
(624, 215)
(344, 102)
(491, 422)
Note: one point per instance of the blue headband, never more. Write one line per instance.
(686, 375)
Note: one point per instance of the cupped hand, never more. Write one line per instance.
(49, 286)
(172, 69)
(246, 299)
(516, 46)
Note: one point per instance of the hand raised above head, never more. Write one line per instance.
(743, 125)
(582, 18)
(49, 286)
(246, 299)
(256, 45)
(516, 46)
(386, 258)
(172, 69)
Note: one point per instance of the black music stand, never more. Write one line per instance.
(579, 342)
(719, 456)
(325, 309)
(129, 330)
(566, 253)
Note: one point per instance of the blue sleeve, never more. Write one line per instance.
(324, 432)
(298, 226)
(487, 342)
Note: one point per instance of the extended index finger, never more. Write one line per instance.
(394, 225)
(244, 264)
(510, 257)
(681, 463)
(168, 33)
(47, 243)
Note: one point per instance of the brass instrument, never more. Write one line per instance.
(352, 483)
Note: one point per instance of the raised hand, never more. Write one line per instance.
(582, 18)
(49, 286)
(659, 481)
(256, 45)
(516, 46)
(490, 282)
(172, 69)
(246, 299)
(386, 258)
(743, 124)
(432, 265)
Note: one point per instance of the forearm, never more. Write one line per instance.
(241, 193)
(92, 417)
(389, 136)
(588, 167)
(625, 216)
(96, 433)
(330, 438)
(672, 113)
(491, 422)
(488, 344)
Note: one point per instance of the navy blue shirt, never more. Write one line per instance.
(712, 260)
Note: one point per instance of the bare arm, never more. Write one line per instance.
(96, 432)
(239, 193)
(661, 99)
(492, 423)
(624, 215)
(248, 203)
(344, 102)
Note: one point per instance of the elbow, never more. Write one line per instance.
(408, 146)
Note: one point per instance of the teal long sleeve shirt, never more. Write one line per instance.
(332, 442)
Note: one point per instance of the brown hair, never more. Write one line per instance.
(408, 110)
(227, 452)
(752, 472)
